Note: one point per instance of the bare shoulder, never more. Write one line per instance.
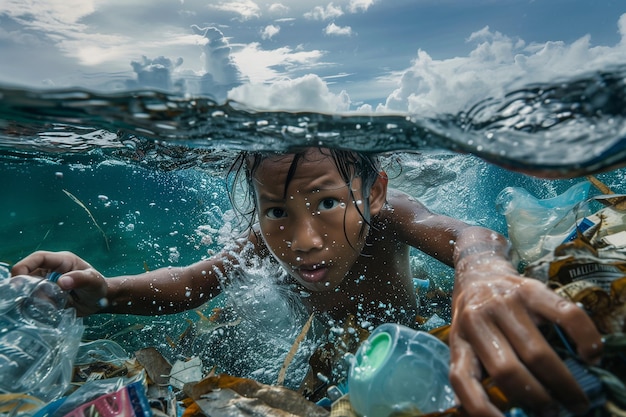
(402, 207)
(412, 223)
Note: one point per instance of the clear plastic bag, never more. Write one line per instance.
(537, 226)
(101, 350)
(39, 337)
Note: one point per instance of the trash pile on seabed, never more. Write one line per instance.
(587, 266)
(45, 371)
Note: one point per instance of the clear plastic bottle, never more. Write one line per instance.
(399, 369)
(39, 337)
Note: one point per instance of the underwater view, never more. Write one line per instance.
(129, 166)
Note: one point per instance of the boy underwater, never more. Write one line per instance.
(327, 217)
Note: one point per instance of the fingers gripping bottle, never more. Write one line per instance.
(398, 369)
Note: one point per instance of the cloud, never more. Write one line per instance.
(359, 5)
(19, 37)
(59, 25)
(621, 25)
(333, 29)
(261, 66)
(278, 8)
(246, 9)
(221, 72)
(269, 31)
(49, 15)
(324, 13)
(497, 63)
(309, 92)
(155, 73)
(218, 75)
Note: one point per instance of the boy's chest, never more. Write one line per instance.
(376, 291)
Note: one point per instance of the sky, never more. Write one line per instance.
(344, 56)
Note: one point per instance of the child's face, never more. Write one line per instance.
(314, 230)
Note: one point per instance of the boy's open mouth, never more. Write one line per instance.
(312, 273)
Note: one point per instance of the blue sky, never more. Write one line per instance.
(399, 56)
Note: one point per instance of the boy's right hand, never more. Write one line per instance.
(86, 286)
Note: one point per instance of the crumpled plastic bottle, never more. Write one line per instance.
(39, 337)
(399, 369)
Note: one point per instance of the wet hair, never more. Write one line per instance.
(350, 165)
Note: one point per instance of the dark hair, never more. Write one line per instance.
(350, 164)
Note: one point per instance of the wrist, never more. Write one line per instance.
(479, 242)
(492, 255)
(483, 250)
(106, 304)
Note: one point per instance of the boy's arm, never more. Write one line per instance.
(496, 312)
(162, 291)
(166, 290)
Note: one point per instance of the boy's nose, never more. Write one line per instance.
(305, 237)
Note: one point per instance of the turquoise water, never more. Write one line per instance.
(136, 181)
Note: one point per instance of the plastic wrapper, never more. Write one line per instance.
(112, 397)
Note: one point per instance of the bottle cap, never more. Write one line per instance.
(374, 355)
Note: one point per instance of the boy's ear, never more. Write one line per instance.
(378, 193)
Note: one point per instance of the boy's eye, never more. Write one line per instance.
(328, 204)
(276, 213)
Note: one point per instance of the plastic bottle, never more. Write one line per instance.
(398, 369)
(38, 337)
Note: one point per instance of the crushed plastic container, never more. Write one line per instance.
(398, 369)
(39, 337)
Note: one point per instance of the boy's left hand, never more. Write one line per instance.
(494, 333)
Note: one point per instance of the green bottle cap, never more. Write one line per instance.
(375, 355)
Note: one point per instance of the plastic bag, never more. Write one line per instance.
(39, 337)
(537, 226)
(101, 350)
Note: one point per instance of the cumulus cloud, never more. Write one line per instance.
(246, 9)
(217, 55)
(333, 29)
(278, 8)
(309, 92)
(324, 13)
(262, 65)
(269, 31)
(221, 73)
(498, 63)
(359, 5)
(156, 73)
